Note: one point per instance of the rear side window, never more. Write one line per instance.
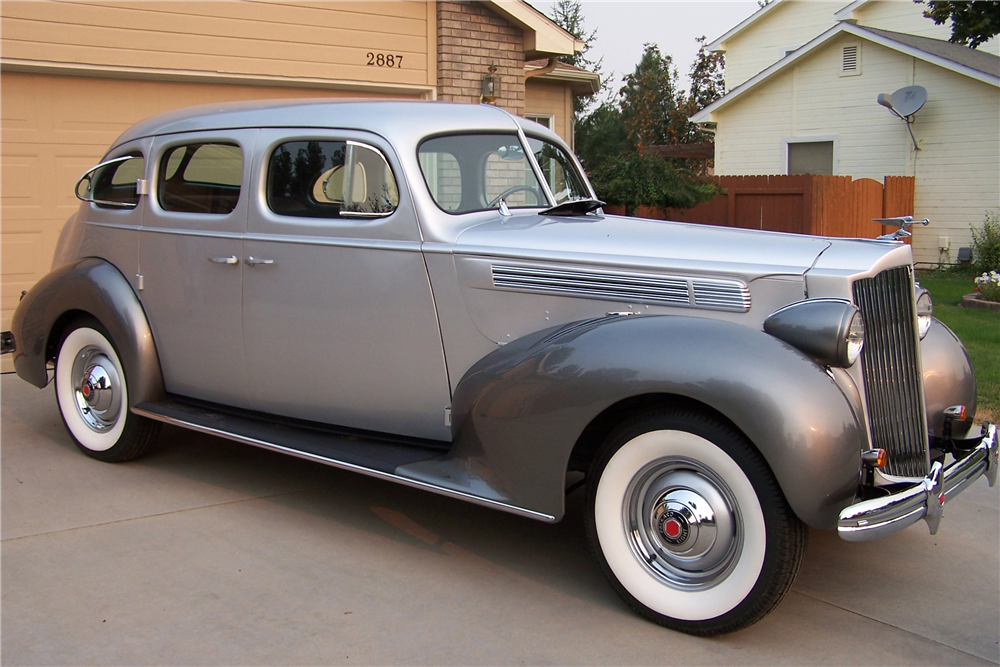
(201, 178)
(116, 183)
(330, 179)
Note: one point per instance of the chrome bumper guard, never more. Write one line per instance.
(878, 517)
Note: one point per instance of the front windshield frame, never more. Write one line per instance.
(471, 181)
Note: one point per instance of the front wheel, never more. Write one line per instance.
(690, 525)
(92, 394)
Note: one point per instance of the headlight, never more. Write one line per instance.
(831, 331)
(925, 312)
(855, 338)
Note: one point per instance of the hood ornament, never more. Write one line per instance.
(904, 222)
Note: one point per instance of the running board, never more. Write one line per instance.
(372, 454)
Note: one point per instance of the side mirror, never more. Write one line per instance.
(116, 183)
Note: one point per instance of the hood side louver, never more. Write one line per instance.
(706, 293)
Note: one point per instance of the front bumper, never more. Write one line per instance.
(878, 517)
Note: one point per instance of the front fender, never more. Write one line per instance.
(948, 379)
(95, 287)
(520, 411)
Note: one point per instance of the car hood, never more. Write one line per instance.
(644, 244)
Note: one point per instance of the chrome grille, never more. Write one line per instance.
(709, 293)
(891, 368)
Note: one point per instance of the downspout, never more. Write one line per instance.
(549, 66)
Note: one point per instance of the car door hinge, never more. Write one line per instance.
(138, 277)
(447, 416)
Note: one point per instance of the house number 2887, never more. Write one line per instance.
(384, 60)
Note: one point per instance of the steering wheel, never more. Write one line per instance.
(516, 188)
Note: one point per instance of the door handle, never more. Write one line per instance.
(254, 261)
(232, 259)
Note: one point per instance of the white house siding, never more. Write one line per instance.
(957, 171)
(792, 23)
(905, 16)
(958, 166)
(796, 22)
(750, 130)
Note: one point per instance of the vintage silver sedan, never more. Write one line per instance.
(431, 294)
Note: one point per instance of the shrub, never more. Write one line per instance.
(988, 286)
(986, 244)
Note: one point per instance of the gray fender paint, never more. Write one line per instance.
(520, 410)
(98, 288)
(948, 378)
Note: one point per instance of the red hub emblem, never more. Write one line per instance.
(86, 390)
(674, 527)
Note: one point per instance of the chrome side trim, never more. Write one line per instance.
(707, 293)
(451, 493)
(878, 517)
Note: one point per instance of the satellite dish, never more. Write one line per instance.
(905, 101)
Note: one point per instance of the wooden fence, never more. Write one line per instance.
(809, 204)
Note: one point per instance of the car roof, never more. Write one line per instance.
(397, 121)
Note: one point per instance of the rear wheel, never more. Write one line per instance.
(92, 394)
(690, 525)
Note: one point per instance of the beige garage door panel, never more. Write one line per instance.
(53, 129)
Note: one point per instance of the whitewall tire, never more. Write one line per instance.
(92, 394)
(689, 524)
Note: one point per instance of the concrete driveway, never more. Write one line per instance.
(209, 552)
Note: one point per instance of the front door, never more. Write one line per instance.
(338, 318)
(190, 260)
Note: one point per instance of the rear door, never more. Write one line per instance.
(338, 317)
(190, 252)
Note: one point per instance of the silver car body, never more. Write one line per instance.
(508, 340)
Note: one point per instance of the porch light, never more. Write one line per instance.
(490, 86)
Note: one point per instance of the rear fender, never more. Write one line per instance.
(93, 287)
(520, 411)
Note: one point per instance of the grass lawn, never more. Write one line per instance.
(979, 330)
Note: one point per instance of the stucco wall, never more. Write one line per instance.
(550, 98)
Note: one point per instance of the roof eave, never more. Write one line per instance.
(705, 114)
(543, 38)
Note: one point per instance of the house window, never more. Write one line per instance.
(850, 63)
(542, 119)
(810, 157)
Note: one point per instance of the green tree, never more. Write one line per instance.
(654, 108)
(634, 179)
(972, 23)
(708, 76)
(600, 135)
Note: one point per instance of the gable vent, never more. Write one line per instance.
(707, 293)
(850, 61)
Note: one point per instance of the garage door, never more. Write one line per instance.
(54, 128)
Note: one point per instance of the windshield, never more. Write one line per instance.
(473, 172)
(557, 167)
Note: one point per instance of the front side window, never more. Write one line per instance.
(330, 179)
(473, 172)
(114, 185)
(201, 178)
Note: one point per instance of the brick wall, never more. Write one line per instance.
(470, 39)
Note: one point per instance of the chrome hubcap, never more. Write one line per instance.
(97, 389)
(684, 524)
